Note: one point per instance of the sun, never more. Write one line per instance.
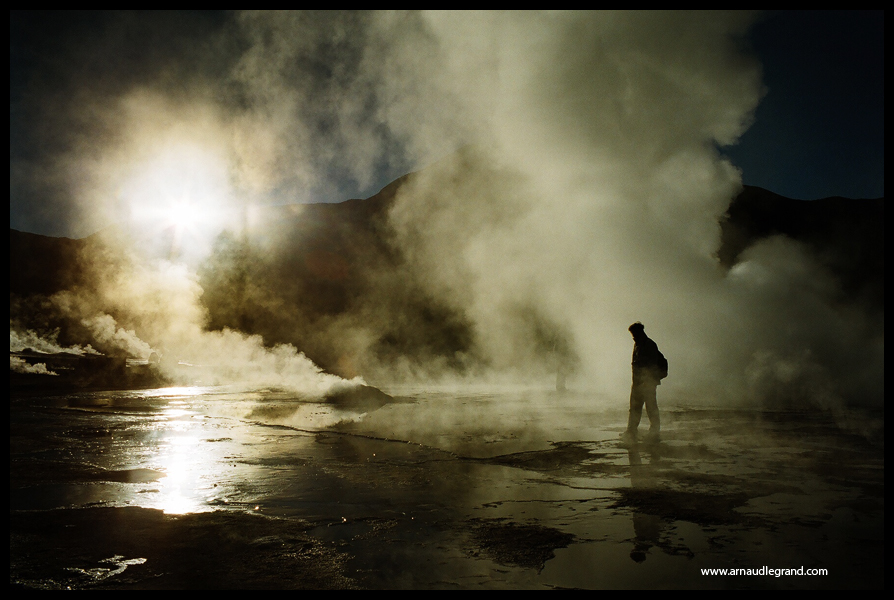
(180, 188)
(184, 215)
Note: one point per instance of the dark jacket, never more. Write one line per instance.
(648, 362)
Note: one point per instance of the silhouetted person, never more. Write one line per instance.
(564, 362)
(649, 368)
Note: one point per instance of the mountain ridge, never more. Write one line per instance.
(325, 266)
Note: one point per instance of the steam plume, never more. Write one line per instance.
(588, 197)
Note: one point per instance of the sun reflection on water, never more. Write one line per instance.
(189, 391)
(184, 449)
(192, 465)
(183, 460)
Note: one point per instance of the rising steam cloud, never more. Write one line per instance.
(588, 196)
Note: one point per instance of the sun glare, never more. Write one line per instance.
(184, 214)
(182, 188)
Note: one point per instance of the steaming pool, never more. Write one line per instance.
(434, 488)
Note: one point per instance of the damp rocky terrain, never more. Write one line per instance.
(434, 489)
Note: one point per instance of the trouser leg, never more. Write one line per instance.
(636, 408)
(651, 402)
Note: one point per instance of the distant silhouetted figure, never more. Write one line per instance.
(561, 376)
(649, 368)
(564, 361)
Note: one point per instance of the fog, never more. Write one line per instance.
(568, 182)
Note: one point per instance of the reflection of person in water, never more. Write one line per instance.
(646, 527)
(649, 368)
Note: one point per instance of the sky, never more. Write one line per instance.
(599, 152)
(81, 83)
(819, 131)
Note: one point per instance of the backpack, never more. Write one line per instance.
(661, 367)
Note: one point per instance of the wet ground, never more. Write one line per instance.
(434, 489)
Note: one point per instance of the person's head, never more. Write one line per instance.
(637, 330)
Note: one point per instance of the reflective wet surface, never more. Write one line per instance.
(435, 488)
